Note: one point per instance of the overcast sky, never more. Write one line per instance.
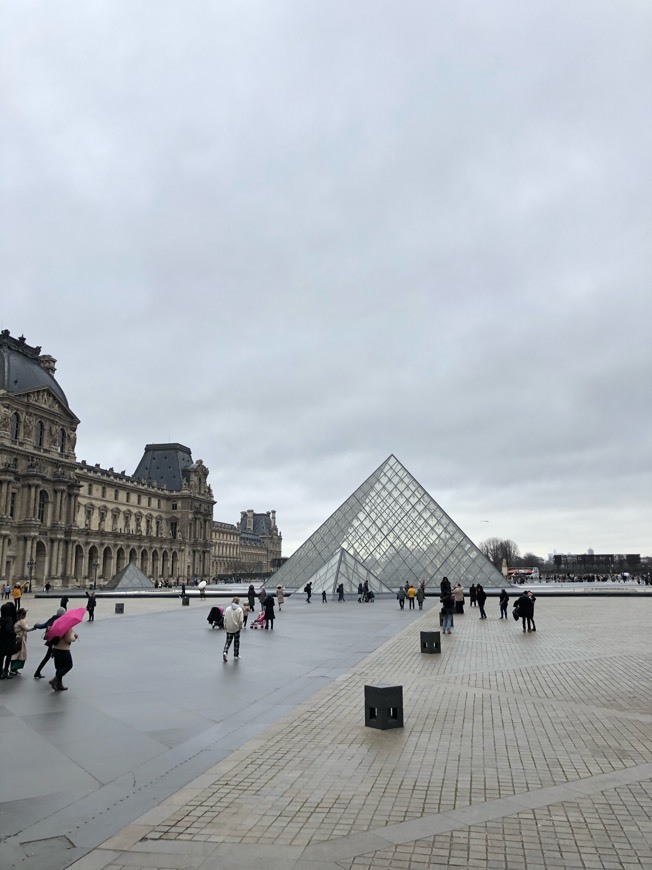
(298, 237)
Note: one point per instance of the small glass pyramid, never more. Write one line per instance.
(393, 529)
(345, 569)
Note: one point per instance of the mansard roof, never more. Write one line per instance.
(23, 368)
(164, 465)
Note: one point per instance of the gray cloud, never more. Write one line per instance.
(298, 239)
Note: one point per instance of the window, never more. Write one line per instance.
(103, 492)
(90, 489)
(158, 528)
(173, 528)
(159, 504)
(12, 505)
(174, 505)
(149, 501)
(115, 494)
(128, 499)
(15, 427)
(40, 434)
(42, 503)
(139, 498)
(62, 440)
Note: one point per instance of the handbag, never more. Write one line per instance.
(18, 644)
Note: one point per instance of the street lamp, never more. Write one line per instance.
(96, 565)
(31, 565)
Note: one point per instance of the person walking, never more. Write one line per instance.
(340, 592)
(280, 597)
(62, 659)
(17, 594)
(7, 591)
(411, 595)
(360, 592)
(447, 608)
(324, 597)
(245, 614)
(421, 595)
(473, 601)
(269, 612)
(251, 598)
(8, 639)
(458, 595)
(233, 623)
(308, 590)
(262, 595)
(90, 606)
(481, 597)
(503, 601)
(64, 602)
(46, 658)
(401, 597)
(22, 629)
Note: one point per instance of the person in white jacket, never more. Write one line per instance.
(233, 622)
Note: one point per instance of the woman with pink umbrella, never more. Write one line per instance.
(62, 636)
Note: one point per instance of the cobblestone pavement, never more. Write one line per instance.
(519, 750)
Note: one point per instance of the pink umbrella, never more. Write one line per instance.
(61, 625)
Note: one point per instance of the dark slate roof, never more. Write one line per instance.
(164, 465)
(20, 369)
(262, 524)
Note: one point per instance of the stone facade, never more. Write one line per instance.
(71, 523)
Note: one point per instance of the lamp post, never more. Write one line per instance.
(31, 565)
(96, 565)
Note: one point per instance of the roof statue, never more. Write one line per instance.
(392, 528)
(131, 577)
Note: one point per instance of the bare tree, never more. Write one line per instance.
(497, 549)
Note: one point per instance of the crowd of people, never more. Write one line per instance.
(14, 628)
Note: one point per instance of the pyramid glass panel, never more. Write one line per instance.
(343, 568)
(393, 528)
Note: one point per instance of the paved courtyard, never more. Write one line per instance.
(519, 750)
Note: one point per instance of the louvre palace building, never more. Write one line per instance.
(70, 523)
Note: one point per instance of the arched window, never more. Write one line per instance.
(42, 504)
(15, 427)
(39, 435)
(62, 440)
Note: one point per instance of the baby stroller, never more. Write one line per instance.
(215, 617)
(370, 596)
(259, 621)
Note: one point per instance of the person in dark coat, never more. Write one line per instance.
(64, 602)
(447, 609)
(269, 611)
(262, 597)
(503, 601)
(445, 586)
(340, 592)
(308, 590)
(526, 610)
(473, 601)
(481, 596)
(90, 606)
(251, 598)
(8, 620)
(48, 655)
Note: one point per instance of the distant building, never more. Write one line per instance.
(71, 523)
(597, 563)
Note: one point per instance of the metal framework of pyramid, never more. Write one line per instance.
(345, 569)
(131, 577)
(396, 531)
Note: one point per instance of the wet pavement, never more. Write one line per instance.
(519, 749)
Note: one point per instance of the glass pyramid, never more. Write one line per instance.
(344, 568)
(395, 530)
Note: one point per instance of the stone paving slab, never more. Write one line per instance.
(519, 750)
